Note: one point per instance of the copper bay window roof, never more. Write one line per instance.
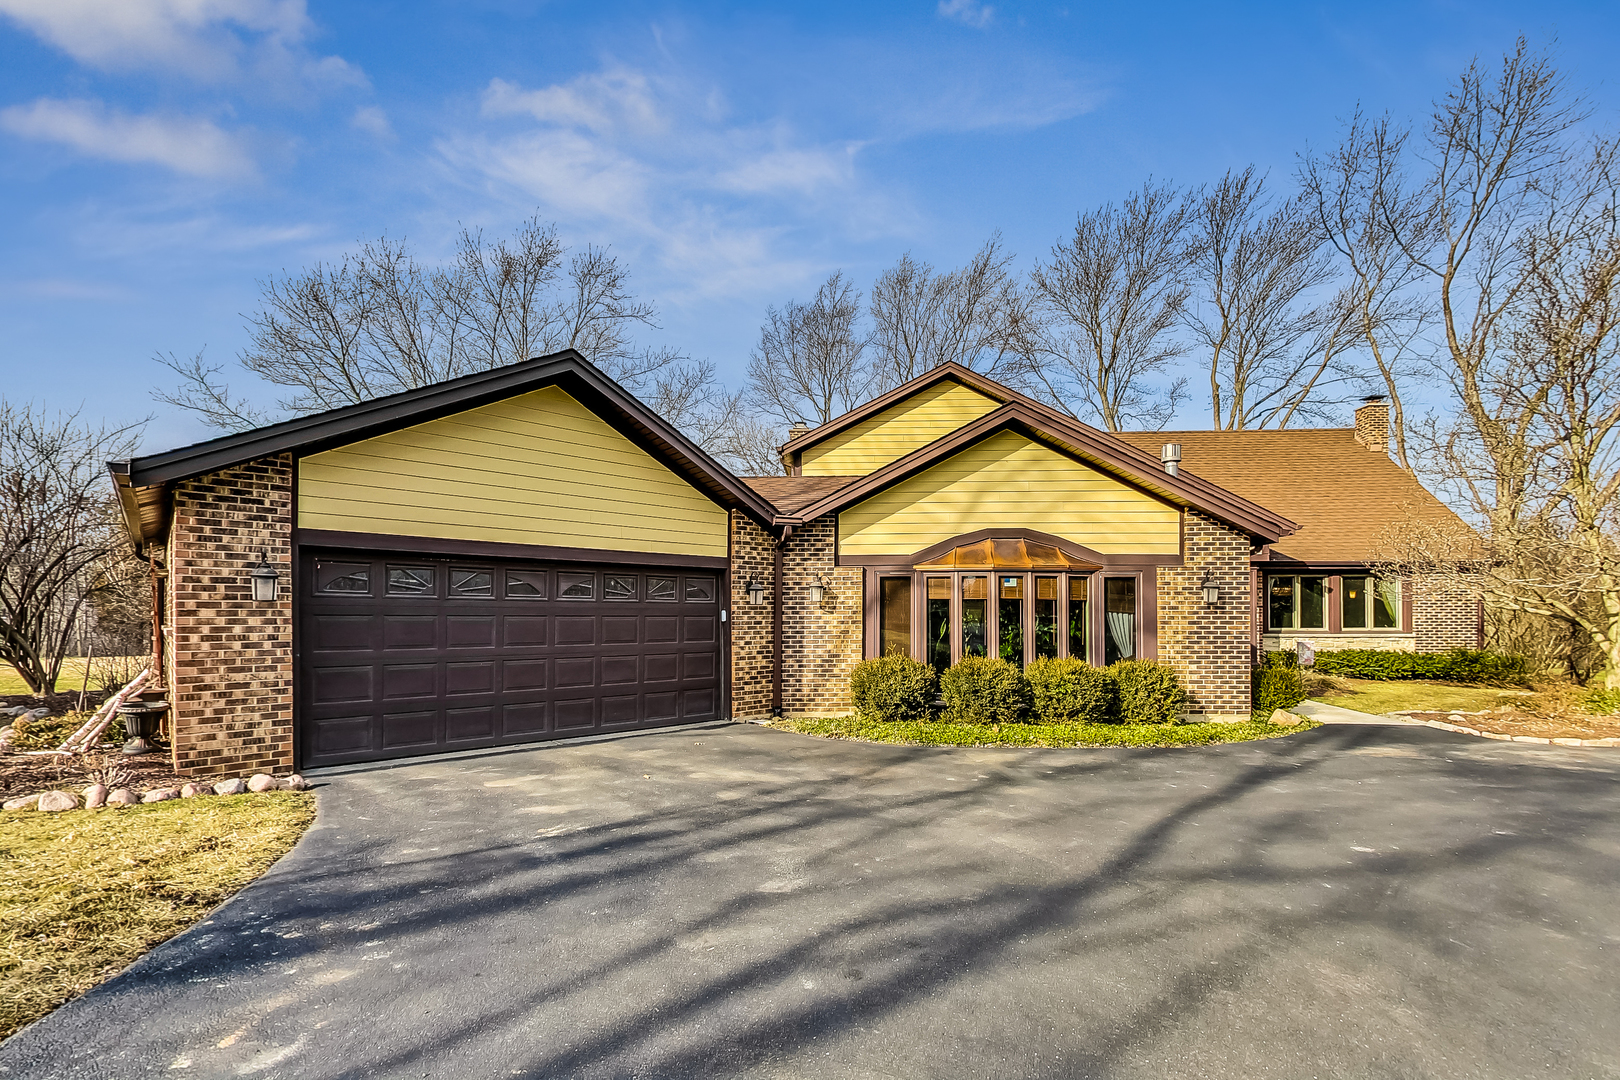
(1005, 555)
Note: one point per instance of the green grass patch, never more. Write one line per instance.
(71, 677)
(86, 892)
(944, 733)
(1412, 695)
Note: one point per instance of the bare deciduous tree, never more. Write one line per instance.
(1109, 299)
(60, 538)
(976, 316)
(1258, 264)
(808, 365)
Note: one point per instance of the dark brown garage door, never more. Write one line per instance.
(411, 655)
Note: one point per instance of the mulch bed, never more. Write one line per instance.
(28, 774)
(1512, 722)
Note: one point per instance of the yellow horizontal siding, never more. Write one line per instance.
(931, 413)
(535, 469)
(1008, 481)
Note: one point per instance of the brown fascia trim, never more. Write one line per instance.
(488, 549)
(567, 370)
(1125, 462)
(948, 370)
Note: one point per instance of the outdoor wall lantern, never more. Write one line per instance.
(818, 589)
(265, 579)
(756, 591)
(1212, 591)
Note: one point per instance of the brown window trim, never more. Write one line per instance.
(1335, 615)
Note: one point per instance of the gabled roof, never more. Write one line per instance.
(143, 482)
(1342, 494)
(1102, 451)
(950, 370)
(789, 493)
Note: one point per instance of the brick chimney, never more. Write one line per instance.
(799, 429)
(1372, 423)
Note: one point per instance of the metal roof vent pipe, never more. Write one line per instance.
(1170, 454)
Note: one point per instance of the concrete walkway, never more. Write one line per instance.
(1349, 901)
(1335, 714)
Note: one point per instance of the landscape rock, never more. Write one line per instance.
(15, 710)
(7, 737)
(297, 783)
(1284, 718)
(36, 714)
(192, 790)
(95, 795)
(230, 787)
(123, 797)
(54, 802)
(26, 802)
(160, 795)
(261, 782)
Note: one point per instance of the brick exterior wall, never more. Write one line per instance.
(821, 643)
(1444, 618)
(752, 556)
(1208, 647)
(230, 662)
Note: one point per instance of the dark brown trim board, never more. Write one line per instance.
(433, 545)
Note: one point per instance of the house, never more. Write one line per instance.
(530, 553)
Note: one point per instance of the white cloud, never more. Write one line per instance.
(967, 12)
(211, 40)
(187, 145)
(371, 119)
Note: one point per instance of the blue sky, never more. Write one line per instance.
(159, 157)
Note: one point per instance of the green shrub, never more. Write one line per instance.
(981, 690)
(1149, 692)
(1278, 683)
(1601, 702)
(1458, 665)
(1070, 691)
(893, 688)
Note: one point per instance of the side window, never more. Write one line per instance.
(349, 579)
(1119, 619)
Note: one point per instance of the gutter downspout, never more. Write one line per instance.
(776, 626)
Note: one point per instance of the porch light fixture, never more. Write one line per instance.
(1212, 591)
(756, 591)
(818, 589)
(265, 580)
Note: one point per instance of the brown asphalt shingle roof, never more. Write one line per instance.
(1342, 495)
(791, 493)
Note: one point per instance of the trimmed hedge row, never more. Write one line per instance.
(1458, 665)
(985, 690)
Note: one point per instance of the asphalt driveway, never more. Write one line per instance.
(1348, 902)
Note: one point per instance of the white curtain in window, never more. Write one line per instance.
(1122, 630)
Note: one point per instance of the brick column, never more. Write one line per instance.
(821, 643)
(752, 556)
(1208, 647)
(230, 659)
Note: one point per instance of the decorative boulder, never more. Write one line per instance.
(192, 790)
(1284, 718)
(7, 737)
(54, 802)
(297, 783)
(36, 714)
(26, 802)
(261, 782)
(160, 795)
(230, 787)
(123, 797)
(95, 795)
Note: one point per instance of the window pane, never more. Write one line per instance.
(1119, 619)
(894, 616)
(660, 588)
(337, 577)
(526, 584)
(974, 613)
(410, 581)
(619, 587)
(1387, 604)
(1281, 615)
(700, 588)
(1046, 616)
(939, 622)
(576, 586)
(1010, 619)
(1079, 627)
(464, 582)
(1353, 602)
(1312, 603)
